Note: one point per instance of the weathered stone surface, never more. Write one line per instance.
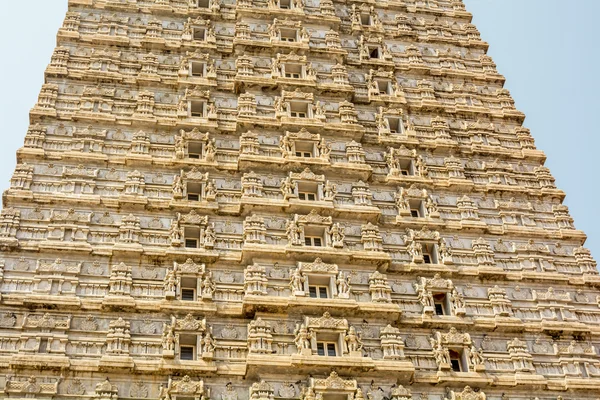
(294, 199)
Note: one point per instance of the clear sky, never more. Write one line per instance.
(547, 49)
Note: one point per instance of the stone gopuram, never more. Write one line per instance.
(287, 199)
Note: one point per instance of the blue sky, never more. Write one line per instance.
(547, 49)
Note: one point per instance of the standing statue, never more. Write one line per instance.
(353, 340)
(303, 337)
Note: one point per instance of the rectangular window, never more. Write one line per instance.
(383, 86)
(197, 108)
(328, 349)
(406, 168)
(285, 4)
(192, 237)
(314, 241)
(308, 191)
(395, 125)
(374, 52)
(441, 304)
(307, 196)
(298, 110)
(186, 352)
(199, 34)
(188, 294)
(293, 71)
(203, 3)
(195, 150)
(429, 253)
(456, 361)
(416, 208)
(288, 35)
(304, 149)
(191, 243)
(43, 346)
(197, 69)
(194, 191)
(188, 289)
(318, 292)
(187, 347)
(365, 19)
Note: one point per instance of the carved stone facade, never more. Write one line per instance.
(287, 199)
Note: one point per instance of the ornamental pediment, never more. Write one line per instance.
(296, 95)
(414, 191)
(313, 218)
(291, 57)
(98, 91)
(186, 386)
(307, 175)
(380, 73)
(58, 266)
(189, 323)
(453, 338)
(287, 23)
(401, 151)
(436, 283)
(70, 216)
(189, 267)
(423, 234)
(326, 322)
(333, 382)
(303, 134)
(47, 321)
(195, 175)
(197, 55)
(318, 266)
(467, 394)
(196, 93)
(393, 111)
(199, 22)
(80, 171)
(194, 219)
(194, 134)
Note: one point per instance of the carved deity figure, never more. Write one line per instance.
(285, 144)
(424, 296)
(343, 284)
(170, 284)
(415, 249)
(210, 189)
(210, 150)
(353, 340)
(457, 300)
(287, 187)
(177, 187)
(208, 286)
(476, 357)
(431, 207)
(296, 281)
(208, 343)
(329, 190)
(294, 233)
(324, 149)
(303, 337)
(336, 233)
(179, 147)
(209, 236)
(168, 337)
(175, 231)
(440, 353)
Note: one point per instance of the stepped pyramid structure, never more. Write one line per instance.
(287, 199)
